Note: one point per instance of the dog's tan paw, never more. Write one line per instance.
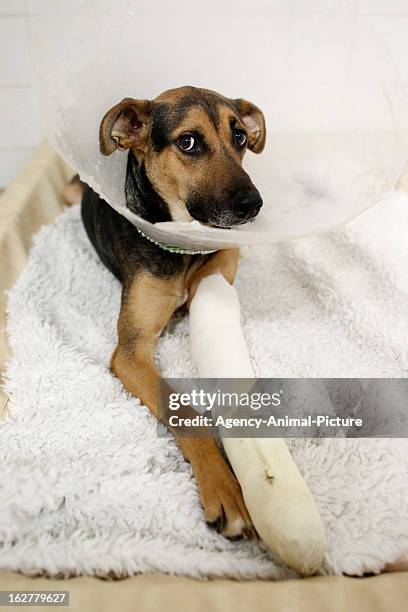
(224, 506)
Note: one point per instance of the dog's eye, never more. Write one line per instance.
(187, 143)
(240, 138)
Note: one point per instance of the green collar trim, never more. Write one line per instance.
(171, 248)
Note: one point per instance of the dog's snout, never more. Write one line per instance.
(246, 203)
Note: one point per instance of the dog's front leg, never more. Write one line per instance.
(147, 305)
(224, 262)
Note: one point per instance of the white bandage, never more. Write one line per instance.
(217, 345)
(281, 506)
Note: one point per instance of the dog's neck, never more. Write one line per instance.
(141, 197)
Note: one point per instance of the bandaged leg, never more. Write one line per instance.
(281, 506)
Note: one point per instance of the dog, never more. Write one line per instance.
(185, 151)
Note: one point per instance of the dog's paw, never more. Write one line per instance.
(224, 506)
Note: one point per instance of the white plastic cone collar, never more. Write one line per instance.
(335, 104)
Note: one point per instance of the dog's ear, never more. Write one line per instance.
(125, 126)
(254, 121)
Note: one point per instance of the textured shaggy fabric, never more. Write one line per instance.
(85, 484)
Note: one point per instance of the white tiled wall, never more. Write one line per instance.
(20, 128)
(383, 7)
(20, 131)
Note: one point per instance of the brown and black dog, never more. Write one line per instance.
(185, 151)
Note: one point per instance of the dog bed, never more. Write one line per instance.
(88, 488)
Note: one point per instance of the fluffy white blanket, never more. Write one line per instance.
(86, 485)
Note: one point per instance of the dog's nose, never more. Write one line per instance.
(246, 203)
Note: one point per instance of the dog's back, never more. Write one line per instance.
(101, 223)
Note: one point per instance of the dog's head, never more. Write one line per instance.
(189, 144)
